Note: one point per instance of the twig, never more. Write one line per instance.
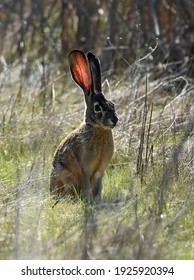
(59, 199)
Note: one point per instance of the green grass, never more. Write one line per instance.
(145, 215)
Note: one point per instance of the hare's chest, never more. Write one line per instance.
(99, 152)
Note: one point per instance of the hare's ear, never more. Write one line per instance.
(94, 64)
(80, 70)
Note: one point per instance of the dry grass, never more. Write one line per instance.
(147, 208)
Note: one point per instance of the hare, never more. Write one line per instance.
(80, 160)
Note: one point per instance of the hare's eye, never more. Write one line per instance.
(97, 108)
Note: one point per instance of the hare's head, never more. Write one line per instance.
(86, 73)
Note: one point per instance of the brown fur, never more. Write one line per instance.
(88, 149)
(82, 157)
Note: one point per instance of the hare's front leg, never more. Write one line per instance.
(97, 185)
(87, 193)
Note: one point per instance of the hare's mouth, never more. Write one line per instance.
(111, 123)
(107, 123)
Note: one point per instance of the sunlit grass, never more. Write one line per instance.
(138, 218)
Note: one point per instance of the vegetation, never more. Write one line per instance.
(147, 206)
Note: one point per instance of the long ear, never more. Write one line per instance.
(80, 69)
(94, 64)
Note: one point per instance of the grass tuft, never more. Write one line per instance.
(147, 206)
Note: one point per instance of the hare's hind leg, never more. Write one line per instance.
(59, 183)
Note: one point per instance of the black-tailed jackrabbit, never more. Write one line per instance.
(82, 157)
